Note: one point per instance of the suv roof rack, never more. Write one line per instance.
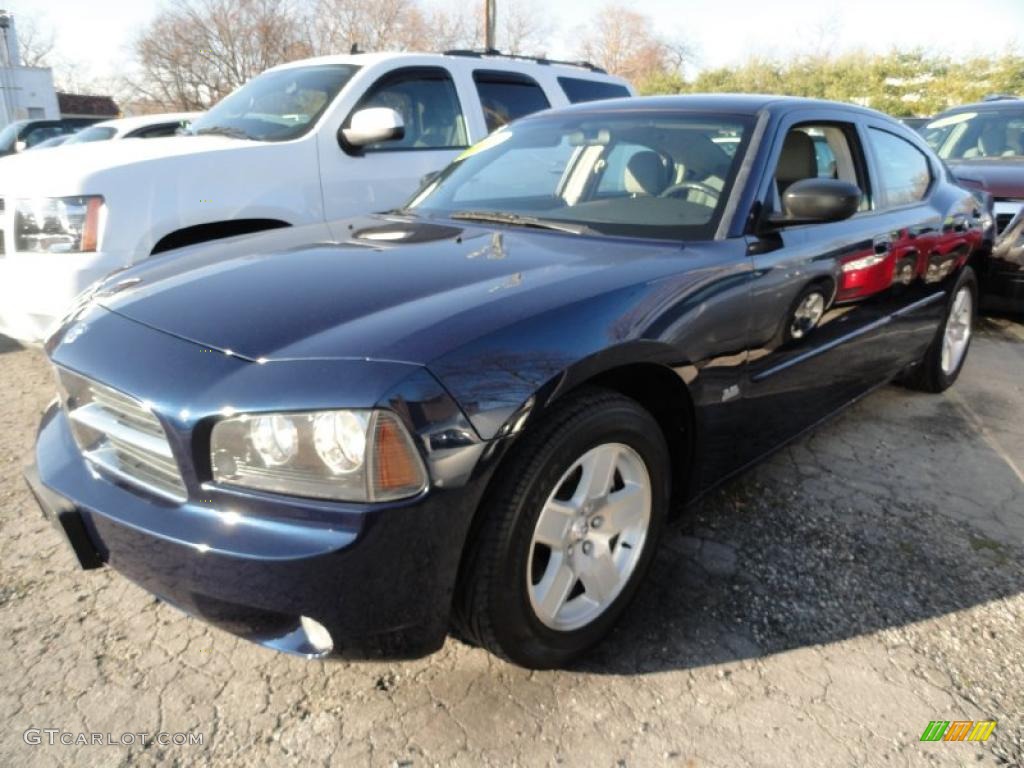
(1001, 97)
(488, 52)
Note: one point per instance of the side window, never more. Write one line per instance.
(41, 134)
(155, 131)
(507, 96)
(823, 151)
(429, 105)
(904, 171)
(577, 89)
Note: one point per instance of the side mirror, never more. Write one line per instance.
(20, 146)
(813, 201)
(369, 126)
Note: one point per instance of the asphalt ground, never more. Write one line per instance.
(820, 610)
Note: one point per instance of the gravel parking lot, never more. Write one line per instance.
(819, 611)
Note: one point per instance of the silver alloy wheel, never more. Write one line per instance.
(807, 315)
(958, 330)
(589, 537)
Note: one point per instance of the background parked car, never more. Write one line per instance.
(24, 134)
(141, 127)
(308, 141)
(983, 144)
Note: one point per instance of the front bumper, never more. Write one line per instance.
(36, 289)
(380, 580)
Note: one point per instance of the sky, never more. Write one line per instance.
(96, 36)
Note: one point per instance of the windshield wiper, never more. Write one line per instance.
(222, 130)
(519, 220)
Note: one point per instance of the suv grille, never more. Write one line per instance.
(120, 435)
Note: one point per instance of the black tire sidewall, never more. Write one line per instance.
(523, 637)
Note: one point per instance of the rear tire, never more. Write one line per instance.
(570, 527)
(947, 353)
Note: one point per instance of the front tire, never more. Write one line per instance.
(947, 353)
(570, 528)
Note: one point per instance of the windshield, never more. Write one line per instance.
(278, 105)
(95, 133)
(967, 135)
(638, 174)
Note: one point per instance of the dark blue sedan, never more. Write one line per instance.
(476, 413)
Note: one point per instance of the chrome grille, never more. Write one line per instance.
(120, 436)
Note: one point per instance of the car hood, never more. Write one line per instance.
(392, 289)
(1000, 176)
(70, 168)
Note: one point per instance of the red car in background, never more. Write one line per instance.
(983, 144)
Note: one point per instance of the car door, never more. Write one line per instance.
(826, 297)
(382, 176)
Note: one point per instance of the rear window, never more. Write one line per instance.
(577, 89)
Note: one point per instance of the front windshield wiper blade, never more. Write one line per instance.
(222, 130)
(519, 220)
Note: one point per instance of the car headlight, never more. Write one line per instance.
(57, 224)
(343, 455)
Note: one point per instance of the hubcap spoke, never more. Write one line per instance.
(599, 575)
(625, 508)
(598, 473)
(554, 588)
(554, 524)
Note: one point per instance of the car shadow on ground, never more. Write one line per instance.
(779, 560)
(8, 345)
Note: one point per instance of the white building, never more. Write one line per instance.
(25, 92)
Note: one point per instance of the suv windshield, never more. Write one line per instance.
(278, 105)
(638, 174)
(967, 135)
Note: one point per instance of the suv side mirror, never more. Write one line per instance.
(369, 126)
(813, 201)
(20, 146)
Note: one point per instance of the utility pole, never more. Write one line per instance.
(490, 12)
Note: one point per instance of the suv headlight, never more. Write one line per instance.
(343, 455)
(57, 224)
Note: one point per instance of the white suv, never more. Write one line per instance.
(310, 141)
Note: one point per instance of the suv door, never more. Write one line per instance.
(385, 175)
(837, 307)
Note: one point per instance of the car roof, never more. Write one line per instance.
(734, 103)
(993, 105)
(511, 62)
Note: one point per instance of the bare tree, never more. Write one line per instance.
(626, 43)
(35, 42)
(523, 27)
(336, 26)
(197, 51)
